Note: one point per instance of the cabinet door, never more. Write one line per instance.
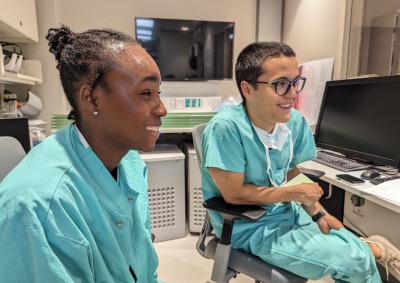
(18, 22)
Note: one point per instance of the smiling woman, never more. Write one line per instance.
(86, 194)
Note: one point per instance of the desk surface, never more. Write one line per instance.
(330, 177)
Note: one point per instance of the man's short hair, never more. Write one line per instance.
(249, 64)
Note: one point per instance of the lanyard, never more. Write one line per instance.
(287, 166)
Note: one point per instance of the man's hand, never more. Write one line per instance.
(328, 222)
(310, 193)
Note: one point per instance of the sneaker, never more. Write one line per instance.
(390, 255)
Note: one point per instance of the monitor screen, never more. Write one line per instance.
(360, 118)
(186, 50)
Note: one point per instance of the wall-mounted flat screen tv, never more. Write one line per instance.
(188, 50)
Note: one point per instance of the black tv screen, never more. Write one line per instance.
(360, 118)
(187, 50)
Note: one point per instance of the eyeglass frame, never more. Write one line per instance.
(291, 83)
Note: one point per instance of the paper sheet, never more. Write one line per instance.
(309, 100)
(389, 191)
(299, 179)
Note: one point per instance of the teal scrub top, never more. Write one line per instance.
(64, 218)
(231, 143)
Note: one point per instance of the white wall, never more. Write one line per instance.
(315, 30)
(120, 15)
(269, 20)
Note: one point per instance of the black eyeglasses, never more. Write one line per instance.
(282, 86)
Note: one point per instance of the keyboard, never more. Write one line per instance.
(339, 162)
(381, 180)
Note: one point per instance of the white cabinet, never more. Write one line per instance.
(18, 21)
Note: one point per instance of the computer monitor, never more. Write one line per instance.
(188, 50)
(360, 118)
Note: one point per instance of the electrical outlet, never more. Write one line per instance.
(358, 204)
(359, 210)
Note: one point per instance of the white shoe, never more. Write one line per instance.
(390, 255)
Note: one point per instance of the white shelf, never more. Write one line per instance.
(29, 74)
(17, 78)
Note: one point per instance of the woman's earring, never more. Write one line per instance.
(95, 113)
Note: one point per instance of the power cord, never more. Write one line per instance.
(360, 231)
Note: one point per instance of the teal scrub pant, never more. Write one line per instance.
(295, 243)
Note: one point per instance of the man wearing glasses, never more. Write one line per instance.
(251, 150)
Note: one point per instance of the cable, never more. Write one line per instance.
(362, 233)
(387, 170)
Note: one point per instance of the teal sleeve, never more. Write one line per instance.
(222, 146)
(26, 256)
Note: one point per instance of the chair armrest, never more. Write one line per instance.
(313, 174)
(231, 212)
(244, 212)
